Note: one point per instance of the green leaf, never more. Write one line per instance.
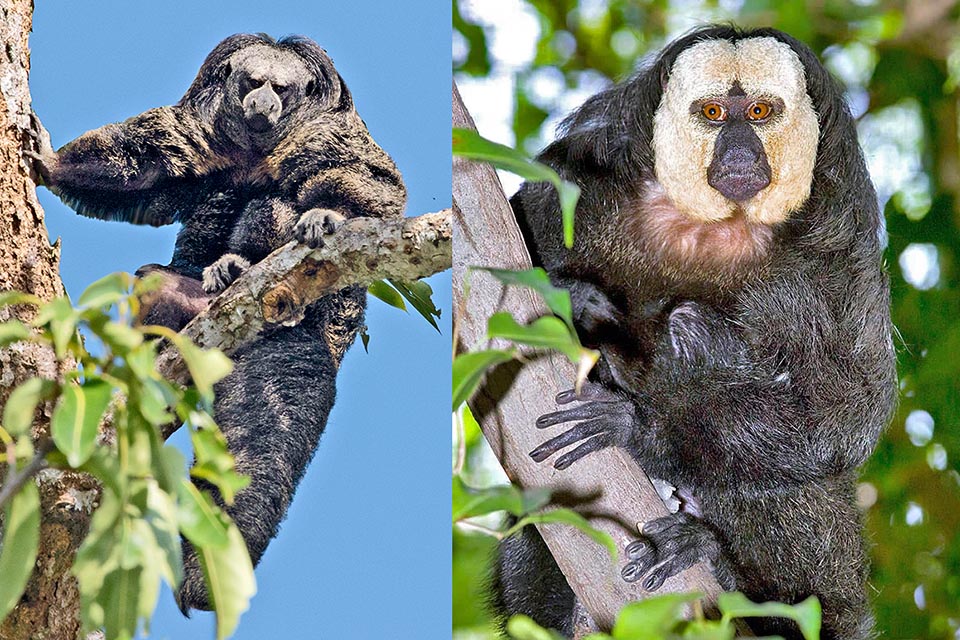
(199, 518)
(652, 618)
(469, 144)
(98, 555)
(521, 627)
(547, 332)
(365, 339)
(806, 614)
(154, 400)
(214, 463)
(469, 502)
(163, 550)
(556, 299)
(19, 297)
(380, 289)
(419, 294)
(18, 546)
(106, 291)
(22, 404)
(572, 518)
(120, 600)
(13, 331)
(77, 418)
(62, 320)
(229, 577)
(469, 369)
(119, 337)
(206, 366)
(103, 465)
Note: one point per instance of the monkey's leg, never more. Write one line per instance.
(527, 580)
(671, 544)
(272, 410)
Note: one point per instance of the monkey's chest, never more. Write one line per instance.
(675, 254)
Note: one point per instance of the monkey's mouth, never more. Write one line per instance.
(739, 186)
(259, 122)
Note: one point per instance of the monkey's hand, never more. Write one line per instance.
(671, 544)
(592, 309)
(41, 160)
(223, 272)
(315, 224)
(607, 420)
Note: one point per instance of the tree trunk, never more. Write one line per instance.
(607, 486)
(50, 605)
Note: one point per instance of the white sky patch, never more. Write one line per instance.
(914, 514)
(937, 457)
(919, 426)
(512, 29)
(892, 140)
(919, 598)
(920, 264)
(460, 48)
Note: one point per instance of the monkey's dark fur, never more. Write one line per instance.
(756, 393)
(264, 147)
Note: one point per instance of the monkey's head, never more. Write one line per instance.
(736, 130)
(256, 89)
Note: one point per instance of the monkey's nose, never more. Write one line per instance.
(261, 108)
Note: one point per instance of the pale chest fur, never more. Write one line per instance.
(693, 253)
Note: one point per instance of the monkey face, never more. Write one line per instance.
(736, 131)
(264, 87)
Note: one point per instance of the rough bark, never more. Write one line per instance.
(50, 605)
(607, 486)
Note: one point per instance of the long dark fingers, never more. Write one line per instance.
(596, 443)
(684, 559)
(576, 434)
(589, 392)
(582, 412)
(642, 556)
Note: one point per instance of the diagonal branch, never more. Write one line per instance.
(278, 289)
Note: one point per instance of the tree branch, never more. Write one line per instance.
(607, 486)
(278, 289)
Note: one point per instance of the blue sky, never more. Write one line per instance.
(365, 550)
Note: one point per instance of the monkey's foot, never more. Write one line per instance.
(223, 272)
(608, 420)
(41, 160)
(591, 306)
(315, 224)
(668, 546)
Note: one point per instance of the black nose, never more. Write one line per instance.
(739, 169)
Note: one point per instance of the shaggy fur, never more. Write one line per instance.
(758, 386)
(264, 147)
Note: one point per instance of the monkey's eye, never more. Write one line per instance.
(281, 89)
(759, 111)
(714, 111)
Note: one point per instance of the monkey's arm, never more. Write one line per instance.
(337, 166)
(135, 171)
(799, 402)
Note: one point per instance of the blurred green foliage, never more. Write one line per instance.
(900, 62)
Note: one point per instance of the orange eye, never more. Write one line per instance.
(758, 111)
(714, 111)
